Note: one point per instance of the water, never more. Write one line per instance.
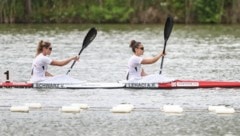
(193, 52)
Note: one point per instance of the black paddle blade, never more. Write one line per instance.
(92, 33)
(168, 28)
(167, 32)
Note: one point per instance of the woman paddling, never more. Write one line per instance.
(41, 61)
(135, 72)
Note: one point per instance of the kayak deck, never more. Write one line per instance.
(169, 85)
(8, 84)
(186, 84)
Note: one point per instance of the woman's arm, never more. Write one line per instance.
(143, 73)
(152, 60)
(63, 62)
(48, 74)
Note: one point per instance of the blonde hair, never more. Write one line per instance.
(41, 45)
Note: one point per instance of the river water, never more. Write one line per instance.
(205, 52)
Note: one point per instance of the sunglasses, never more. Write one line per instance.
(50, 48)
(142, 48)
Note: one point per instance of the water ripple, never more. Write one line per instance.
(193, 52)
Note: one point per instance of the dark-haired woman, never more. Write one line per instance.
(41, 61)
(135, 72)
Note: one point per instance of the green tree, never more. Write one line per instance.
(111, 11)
(209, 11)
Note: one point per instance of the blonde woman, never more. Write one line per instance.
(42, 60)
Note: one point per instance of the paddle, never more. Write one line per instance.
(167, 32)
(87, 40)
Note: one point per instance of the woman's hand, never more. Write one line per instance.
(163, 54)
(76, 58)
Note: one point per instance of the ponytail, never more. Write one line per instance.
(41, 45)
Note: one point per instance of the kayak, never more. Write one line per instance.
(83, 85)
(187, 84)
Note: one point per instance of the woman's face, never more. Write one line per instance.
(139, 50)
(47, 50)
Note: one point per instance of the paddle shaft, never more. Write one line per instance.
(167, 32)
(74, 61)
(165, 43)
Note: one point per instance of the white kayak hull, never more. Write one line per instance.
(79, 86)
(188, 84)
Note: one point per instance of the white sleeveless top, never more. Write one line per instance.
(39, 67)
(134, 68)
(134, 71)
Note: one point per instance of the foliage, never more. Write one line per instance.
(119, 11)
(209, 11)
(110, 11)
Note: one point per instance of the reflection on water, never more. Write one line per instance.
(193, 52)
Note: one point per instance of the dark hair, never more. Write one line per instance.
(134, 44)
(41, 45)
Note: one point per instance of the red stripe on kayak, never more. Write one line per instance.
(16, 85)
(198, 84)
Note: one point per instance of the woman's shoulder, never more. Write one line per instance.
(42, 57)
(135, 58)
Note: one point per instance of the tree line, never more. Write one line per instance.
(119, 11)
